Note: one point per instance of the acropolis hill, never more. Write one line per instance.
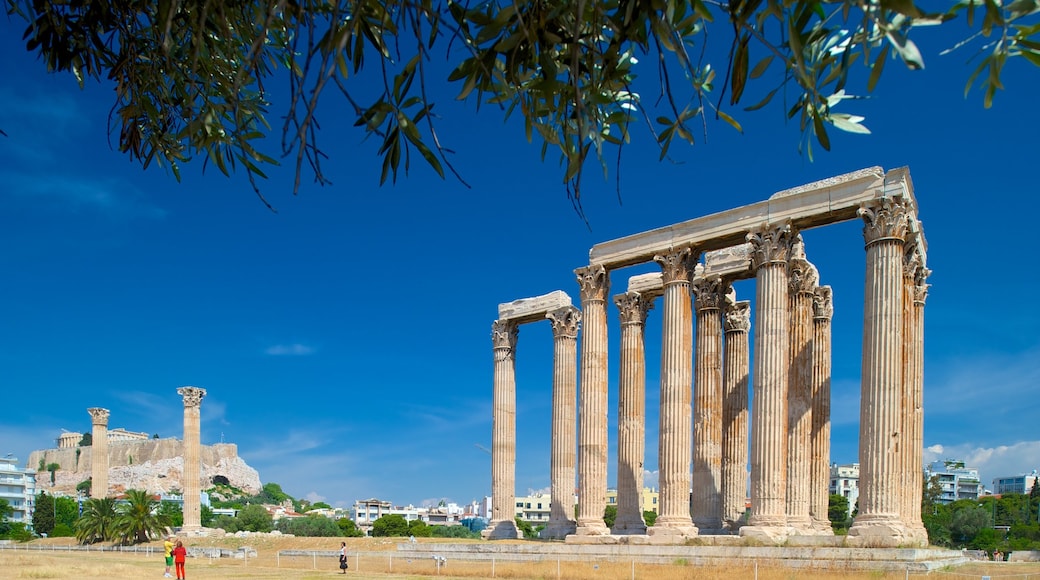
(155, 465)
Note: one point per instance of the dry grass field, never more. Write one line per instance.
(377, 558)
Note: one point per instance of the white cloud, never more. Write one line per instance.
(650, 478)
(314, 497)
(295, 349)
(992, 462)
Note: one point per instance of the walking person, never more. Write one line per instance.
(168, 555)
(343, 557)
(179, 553)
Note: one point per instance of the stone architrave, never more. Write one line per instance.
(915, 290)
(706, 506)
(565, 324)
(633, 308)
(192, 397)
(594, 282)
(674, 451)
(823, 311)
(771, 245)
(802, 280)
(882, 440)
(98, 452)
(737, 323)
(502, 524)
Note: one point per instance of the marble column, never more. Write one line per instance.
(770, 247)
(634, 308)
(823, 310)
(503, 434)
(191, 477)
(594, 282)
(915, 290)
(676, 390)
(98, 452)
(879, 522)
(735, 413)
(706, 505)
(802, 281)
(565, 324)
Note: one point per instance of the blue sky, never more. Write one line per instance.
(345, 340)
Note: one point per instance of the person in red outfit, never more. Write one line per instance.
(179, 554)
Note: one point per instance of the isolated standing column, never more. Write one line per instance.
(565, 324)
(707, 404)
(735, 413)
(676, 390)
(631, 413)
(98, 452)
(592, 402)
(823, 310)
(503, 434)
(192, 486)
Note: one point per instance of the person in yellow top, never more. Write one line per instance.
(168, 554)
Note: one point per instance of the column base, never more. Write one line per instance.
(880, 531)
(501, 530)
(591, 528)
(822, 527)
(629, 524)
(708, 525)
(673, 527)
(800, 524)
(558, 530)
(766, 534)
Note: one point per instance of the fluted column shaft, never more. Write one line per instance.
(915, 290)
(802, 282)
(633, 308)
(823, 310)
(565, 324)
(503, 433)
(98, 452)
(735, 413)
(707, 405)
(592, 402)
(676, 390)
(881, 405)
(770, 249)
(192, 397)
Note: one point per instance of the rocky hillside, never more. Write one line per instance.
(156, 465)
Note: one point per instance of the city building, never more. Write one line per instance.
(369, 510)
(648, 500)
(70, 439)
(18, 487)
(845, 482)
(534, 509)
(1015, 483)
(955, 480)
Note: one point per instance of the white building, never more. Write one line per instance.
(1015, 483)
(955, 480)
(845, 482)
(18, 487)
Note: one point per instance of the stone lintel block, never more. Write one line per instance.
(823, 202)
(733, 263)
(533, 309)
(649, 285)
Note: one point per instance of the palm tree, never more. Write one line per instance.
(97, 522)
(139, 519)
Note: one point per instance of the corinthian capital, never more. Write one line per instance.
(565, 322)
(594, 283)
(504, 334)
(770, 244)
(885, 219)
(633, 307)
(921, 292)
(98, 416)
(737, 316)
(707, 292)
(677, 265)
(192, 396)
(823, 304)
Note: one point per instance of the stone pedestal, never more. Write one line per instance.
(770, 250)
(565, 324)
(735, 414)
(819, 500)
(706, 505)
(631, 413)
(192, 397)
(675, 417)
(802, 280)
(592, 403)
(882, 440)
(98, 452)
(503, 438)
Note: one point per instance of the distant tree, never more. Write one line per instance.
(419, 529)
(649, 517)
(6, 511)
(315, 526)
(255, 518)
(63, 531)
(97, 522)
(174, 511)
(931, 494)
(206, 516)
(838, 511)
(52, 467)
(68, 512)
(18, 532)
(526, 529)
(348, 528)
(43, 514)
(1035, 491)
(460, 532)
(390, 525)
(610, 515)
(226, 523)
(967, 522)
(272, 492)
(320, 505)
(87, 440)
(84, 486)
(155, 436)
(139, 519)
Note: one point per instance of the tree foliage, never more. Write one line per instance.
(193, 78)
(97, 524)
(390, 525)
(87, 440)
(51, 511)
(255, 518)
(139, 519)
(349, 529)
(838, 512)
(310, 526)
